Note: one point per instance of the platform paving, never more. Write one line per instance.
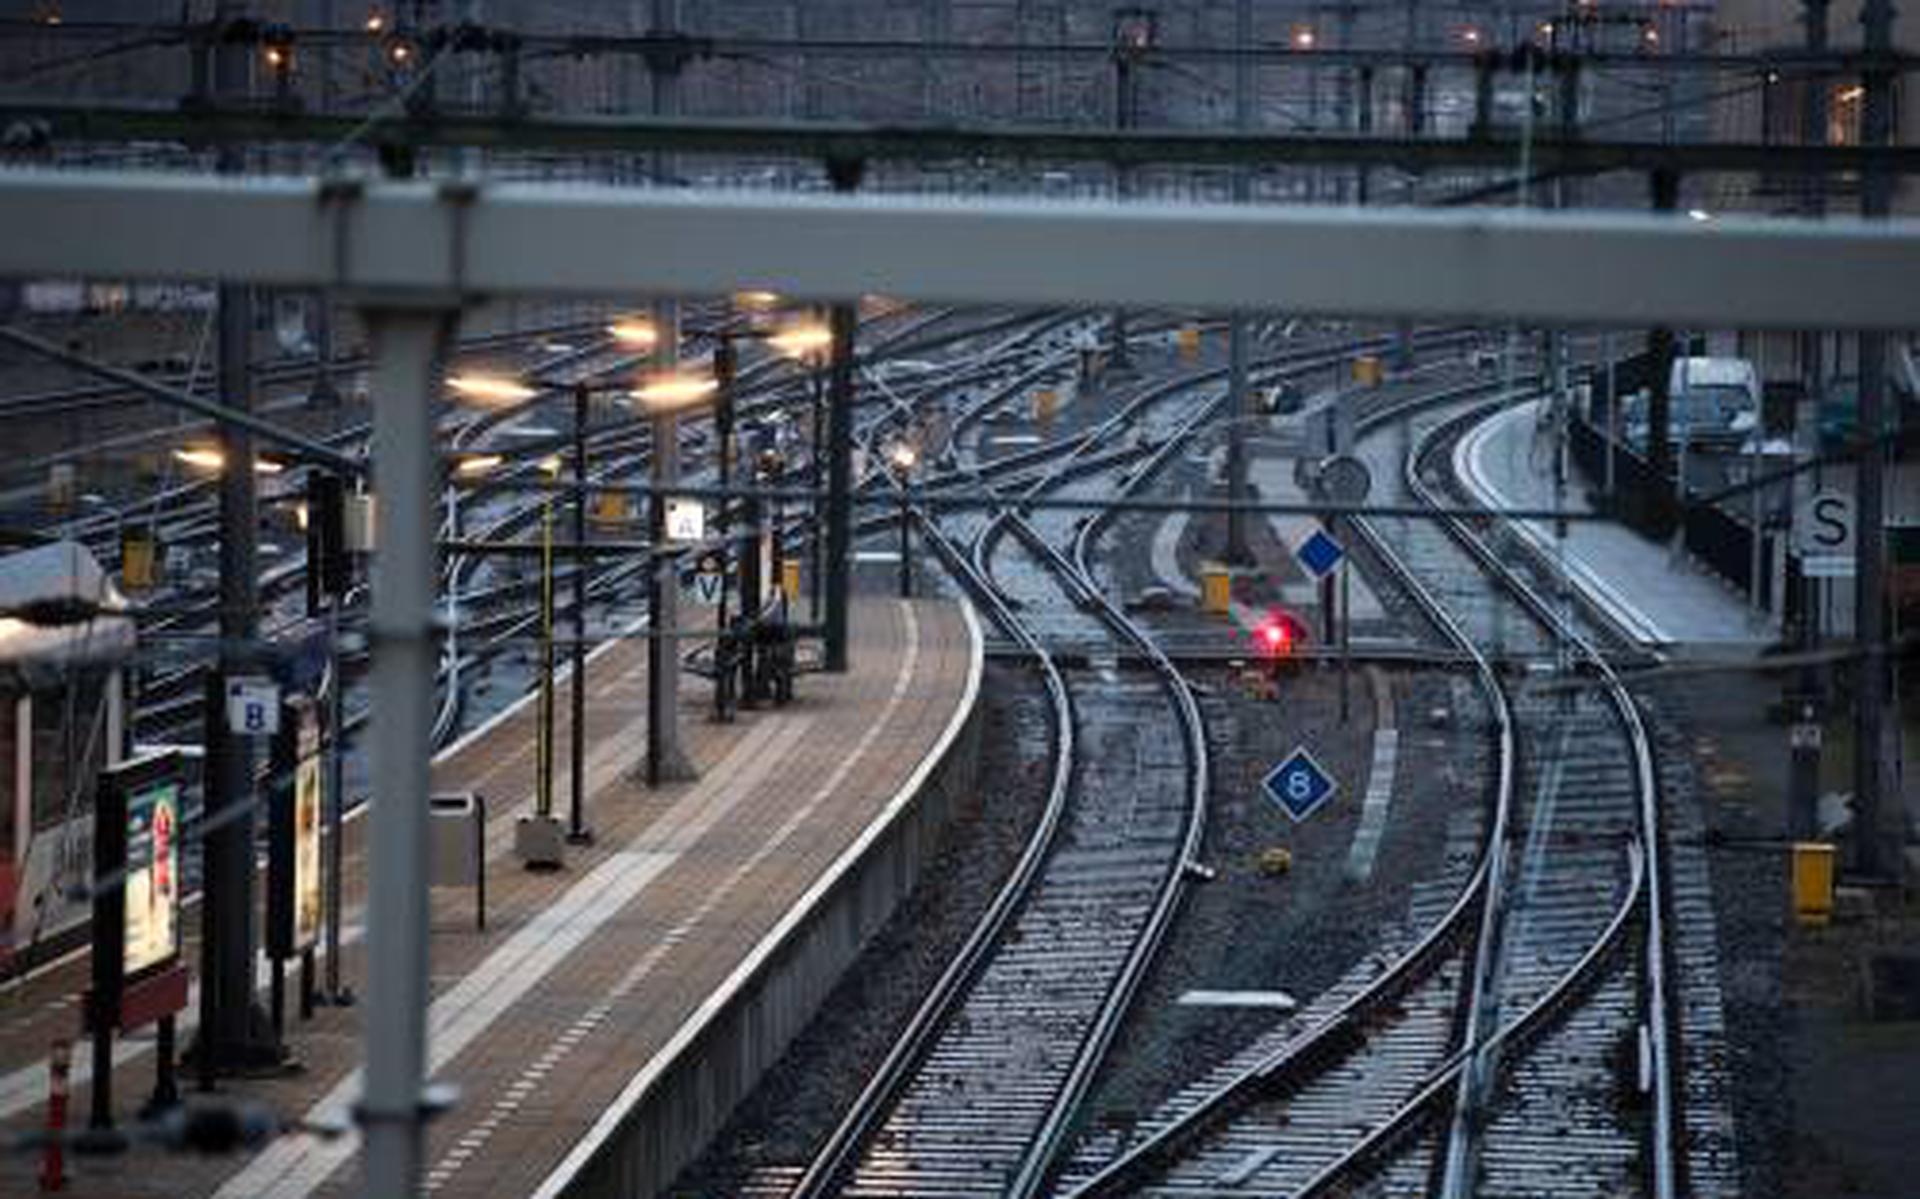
(1665, 596)
(585, 974)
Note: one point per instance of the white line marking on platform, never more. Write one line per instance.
(638, 972)
(616, 1113)
(293, 1167)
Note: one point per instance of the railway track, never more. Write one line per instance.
(1482, 1051)
(170, 699)
(977, 1094)
(169, 706)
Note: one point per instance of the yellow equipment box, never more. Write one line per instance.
(1812, 882)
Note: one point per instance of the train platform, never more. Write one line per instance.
(1664, 596)
(591, 983)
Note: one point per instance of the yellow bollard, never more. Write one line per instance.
(1189, 341)
(1367, 371)
(137, 560)
(1045, 404)
(1812, 882)
(790, 579)
(610, 507)
(1216, 589)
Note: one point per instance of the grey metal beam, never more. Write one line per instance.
(409, 348)
(850, 140)
(653, 44)
(585, 240)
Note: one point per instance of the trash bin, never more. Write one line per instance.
(457, 846)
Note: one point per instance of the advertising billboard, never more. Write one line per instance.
(306, 852)
(152, 892)
(296, 902)
(136, 925)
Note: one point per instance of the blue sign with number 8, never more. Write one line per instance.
(1299, 785)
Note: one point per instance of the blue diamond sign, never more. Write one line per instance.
(1319, 554)
(1299, 785)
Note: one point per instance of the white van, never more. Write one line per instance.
(1716, 402)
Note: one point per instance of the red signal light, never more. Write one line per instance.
(1276, 635)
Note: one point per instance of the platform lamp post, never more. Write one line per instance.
(805, 341)
(810, 343)
(633, 334)
(630, 333)
(537, 839)
(485, 391)
(830, 344)
(901, 459)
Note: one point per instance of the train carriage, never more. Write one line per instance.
(63, 651)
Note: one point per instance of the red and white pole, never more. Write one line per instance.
(53, 1165)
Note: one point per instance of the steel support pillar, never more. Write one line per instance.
(1239, 407)
(233, 1034)
(578, 831)
(666, 761)
(1660, 352)
(409, 346)
(1126, 95)
(839, 571)
(1879, 826)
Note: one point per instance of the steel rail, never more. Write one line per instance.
(1663, 1130)
(973, 569)
(844, 1144)
(1344, 1029)
(1093, 1052)
(1381, 1139)
(1337, 1033)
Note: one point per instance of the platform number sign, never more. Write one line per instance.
(1299, 785)
(686, 520)
(1825, 531)
(253, 707)
(709, 580)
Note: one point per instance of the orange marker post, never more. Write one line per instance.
(53, 1164)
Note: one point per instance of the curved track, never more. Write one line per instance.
(976, 1095)
(1507, 1012)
